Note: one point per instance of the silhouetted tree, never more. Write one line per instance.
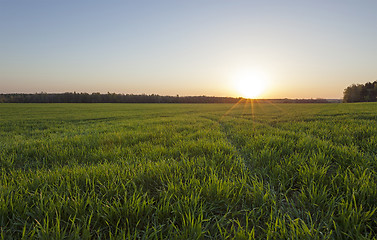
(361, 93)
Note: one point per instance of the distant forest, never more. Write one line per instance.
(361, 93)
(74, 97)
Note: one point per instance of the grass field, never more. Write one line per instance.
(177, 171)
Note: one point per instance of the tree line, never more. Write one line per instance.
(361, 93)
(74, 97)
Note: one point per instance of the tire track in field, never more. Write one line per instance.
(281, 131)
(222, 129)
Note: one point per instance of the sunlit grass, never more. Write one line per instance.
(201, 171)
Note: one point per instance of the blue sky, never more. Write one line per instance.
(307, 49)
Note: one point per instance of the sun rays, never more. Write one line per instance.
(250, 108)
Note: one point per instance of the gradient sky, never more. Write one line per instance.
(306, 49)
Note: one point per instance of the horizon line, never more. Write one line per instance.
(176, 95)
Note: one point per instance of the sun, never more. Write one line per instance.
(250, 85)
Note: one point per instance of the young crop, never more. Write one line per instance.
(189, 171)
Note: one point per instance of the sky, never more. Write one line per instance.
(297, 49)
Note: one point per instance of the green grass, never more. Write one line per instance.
(188, 171)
